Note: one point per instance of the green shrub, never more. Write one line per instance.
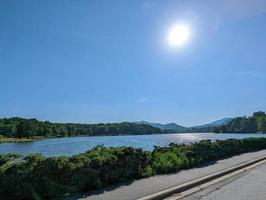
(38, 177)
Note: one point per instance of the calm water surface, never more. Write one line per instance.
(75, 145)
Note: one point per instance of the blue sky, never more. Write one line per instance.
(109, 61)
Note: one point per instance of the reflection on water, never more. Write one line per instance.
(70, 146)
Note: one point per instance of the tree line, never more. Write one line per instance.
(29, 128)
(248, 124)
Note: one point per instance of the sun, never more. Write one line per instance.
(178, 35)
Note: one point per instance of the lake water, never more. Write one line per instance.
(75, 145)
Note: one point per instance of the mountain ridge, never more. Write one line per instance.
(167, 126)
(219, 122)
(179, 128)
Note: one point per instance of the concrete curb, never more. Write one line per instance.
(186, 186)
(204, 186)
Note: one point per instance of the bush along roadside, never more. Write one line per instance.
(38, 177)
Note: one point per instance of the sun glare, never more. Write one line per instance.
(178, 35)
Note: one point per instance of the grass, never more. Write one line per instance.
(8, 140)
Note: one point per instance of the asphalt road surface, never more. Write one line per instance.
(140, 188)
(248, 186)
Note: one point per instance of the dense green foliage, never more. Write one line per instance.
(28, 128)
(252, 124)
(38, 177)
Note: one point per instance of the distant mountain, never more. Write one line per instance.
(170, 126)
(220, 122)
(173, 127)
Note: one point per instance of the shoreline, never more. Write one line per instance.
(15, 140)
(24, 140)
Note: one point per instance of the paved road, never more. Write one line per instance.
(147, 186)
(251, 186)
